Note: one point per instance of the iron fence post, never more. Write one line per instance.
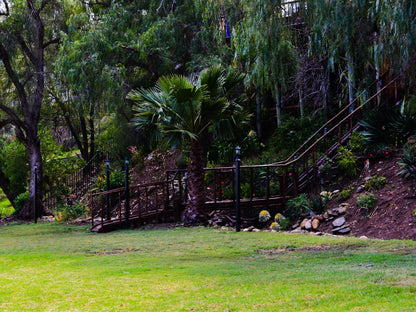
(107, 196)
(127, 205)
(35, 206)
(237, 189)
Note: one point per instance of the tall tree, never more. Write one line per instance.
(264, 48)
(24, 39)
(184, 110)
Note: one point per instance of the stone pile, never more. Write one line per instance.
(334, 215)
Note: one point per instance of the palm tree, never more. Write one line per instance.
(191, 110)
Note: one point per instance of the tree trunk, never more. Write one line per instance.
(350, 79)
(35, 183)
(258, 114)
(194, 212)
(278, 107)
(300, 104)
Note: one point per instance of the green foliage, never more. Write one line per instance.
(117, 180)
(387, 126)
(282, 221)
(297, 206)
(375, 183)
(15, 165)
(347, 162)
(356, 142)
(290, 135)
(65, 212)
(366, 200)
(408, 161)
(317, 204)
(6, 208)
(20, 200)
(345, 194)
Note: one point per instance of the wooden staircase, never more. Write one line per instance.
(262, 186)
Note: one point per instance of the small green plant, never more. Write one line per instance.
(282, 221)
(366, 202)
(326, 165)
(275, 226)
(375, 183)
(20, 200)
(264, 216)
(347, 162)
(356, 142)
(345, 194)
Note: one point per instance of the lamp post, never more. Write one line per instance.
(107, 196)
(237, 188)
(126, 183)
(35, 206)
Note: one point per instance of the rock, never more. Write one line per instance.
(303, 223)
(335, 192)
(256, 230)
(363, 237)
(326, 215)
(249, 229)
(298, 230)
(338, 222)
(344, 230)
(319, 217)
(360, 189)
(296, 225)
(315, 224)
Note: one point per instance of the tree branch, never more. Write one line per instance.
(26, 49)
(53, 41)
(4, 56)
(6, 7)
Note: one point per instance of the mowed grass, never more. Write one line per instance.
(56, 267)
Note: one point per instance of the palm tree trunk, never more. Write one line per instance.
(194, 212)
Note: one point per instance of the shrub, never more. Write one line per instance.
(356, 142)
(275, 226)
(282, 221)
(64, 212)
(366, 201)
(345, 194)
(408, 161)
(297, 206)
(20, 200)
(264, 216)
(347, 162)
(375, 183)
(117, 180)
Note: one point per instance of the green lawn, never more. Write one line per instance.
(55, 267)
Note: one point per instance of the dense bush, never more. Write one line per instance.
(64, 212)
(20, 200)
(375, 183)
(289, 136)
(366, 202)
(117, 180)
(347, 162)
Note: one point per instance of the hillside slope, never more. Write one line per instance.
(394, 214)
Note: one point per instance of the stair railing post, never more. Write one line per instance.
(237, 188)
(126, 183)
(107, 195)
